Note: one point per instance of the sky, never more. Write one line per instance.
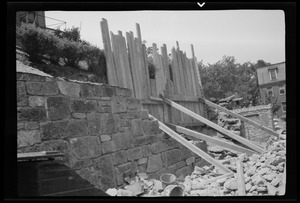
(248, 35)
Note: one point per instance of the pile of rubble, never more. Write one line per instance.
(264, 174)
(229, 123)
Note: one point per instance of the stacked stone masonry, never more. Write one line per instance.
(260, 114)
(103, 132)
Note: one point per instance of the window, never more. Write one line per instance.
(283, 105)
(273, 74)
(281, 89)
(269, 91)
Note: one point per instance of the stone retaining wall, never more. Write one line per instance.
(260, 114)
(103, 132)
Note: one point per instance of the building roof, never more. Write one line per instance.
(272, 64)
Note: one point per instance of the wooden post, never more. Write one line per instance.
(240, 176)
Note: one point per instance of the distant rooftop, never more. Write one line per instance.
(272, 64)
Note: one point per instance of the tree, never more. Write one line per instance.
(226, 77)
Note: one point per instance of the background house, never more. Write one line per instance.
(271, 81)
(39, 19)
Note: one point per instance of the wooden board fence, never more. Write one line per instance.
(175, 75)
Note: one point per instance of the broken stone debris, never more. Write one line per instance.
(263, 175)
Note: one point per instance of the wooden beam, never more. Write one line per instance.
(215, 126)
(216, 141)
(228, 175)
(240, 177)
(260, 126)
(191, 147)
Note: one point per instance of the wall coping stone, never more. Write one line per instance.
(253, 108)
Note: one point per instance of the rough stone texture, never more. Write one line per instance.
(104, 91)
(143, 140)
(122, 140)
(100, 123)
(42, 88)
(259, 114)
(150, 127)
(171, 157)
(53, 130)
(77, 128)
(21, 94)
(78, 115)
(161, 146)
(105, 167)
(81, 106)
(31, 114)
(123, 92)
(58, 108)
(154, 163)
(142, 161)
(32, 126)
(186, 153)
(176, 166)
(137, 127)
(69, 88)
(105, 138)
(133, 104)
(27, 138)
(134, 153)
(108, 147)
(36, 101)
(119, 157)
(187, 170)
(190, 160)
(30, 77)
(86, 147)
(118, 104)
(147, 150)
(87, 91)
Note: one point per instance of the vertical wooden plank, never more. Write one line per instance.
(160, 112)
(193, 78)
(142, 70)
(118, 60)
(127, 71)
(131, 63)
(181, 74)
(159, 75)
(197, 71)
(184, 73)
(153, 87)
(110, 64)
(164, 55)
(176, 80)
(166, 113)
(189, 76)
(146, 69)
(240, 177)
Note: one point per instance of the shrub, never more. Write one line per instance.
(60, 46)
